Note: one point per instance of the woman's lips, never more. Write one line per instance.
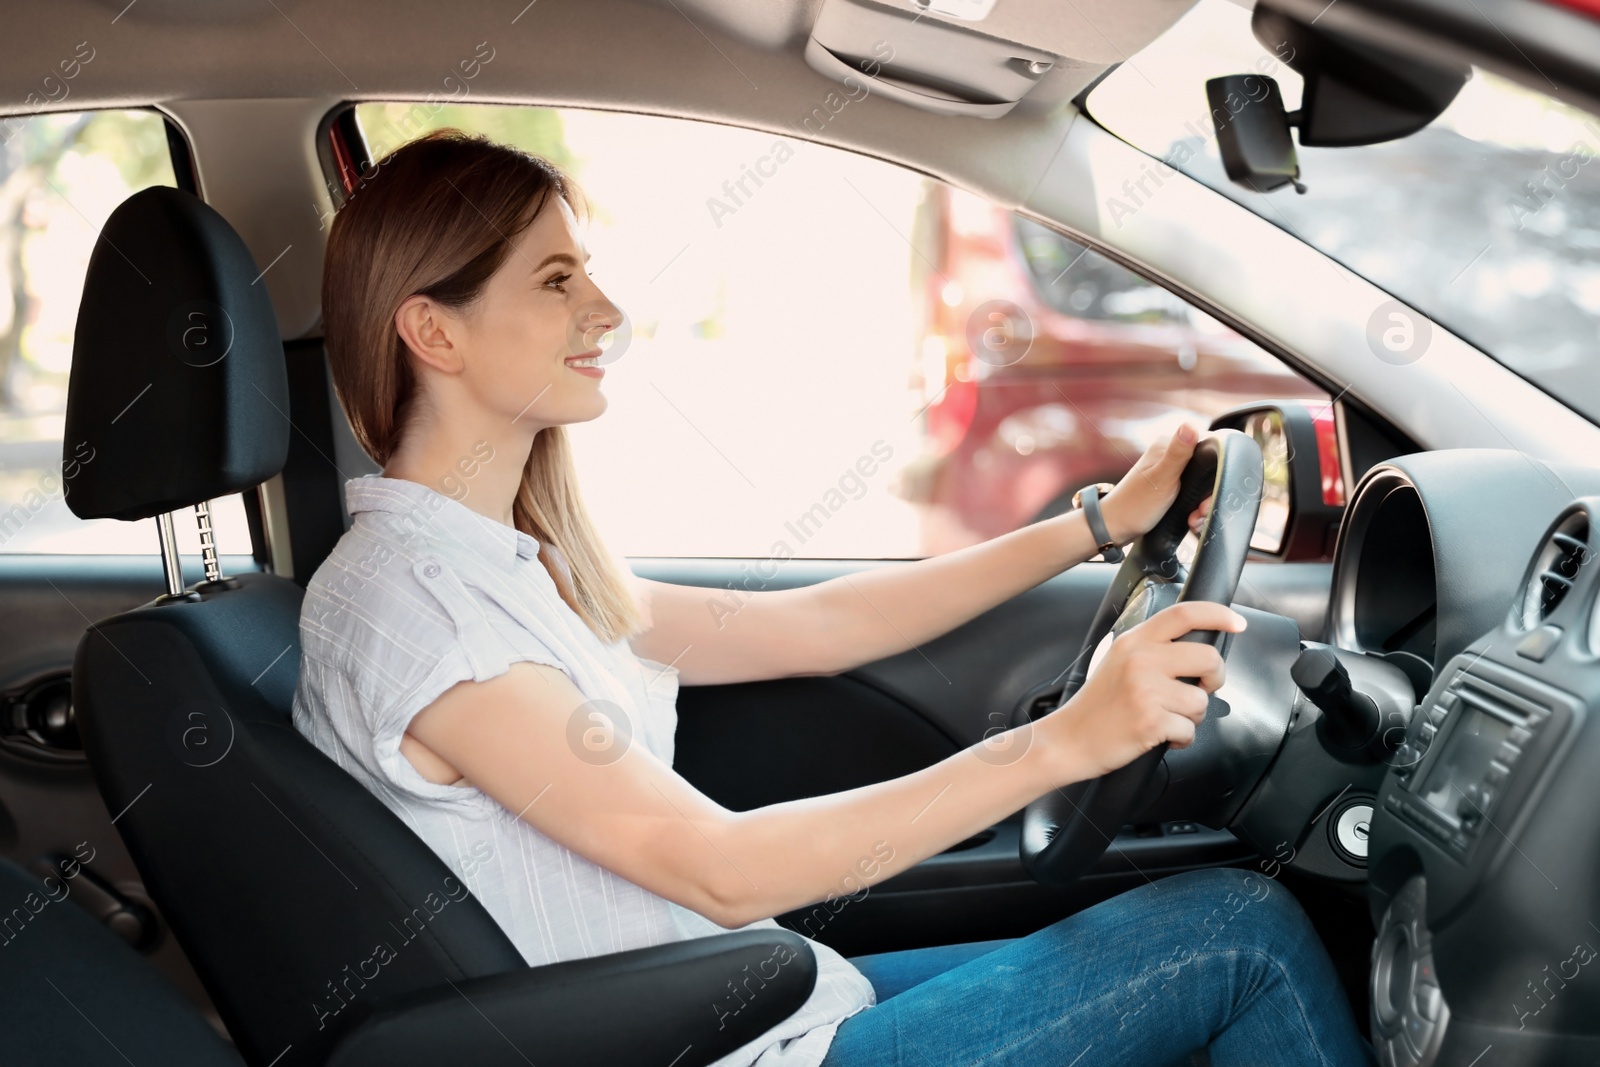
(587, 364)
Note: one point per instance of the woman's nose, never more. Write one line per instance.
(604, 316)
(594, 319)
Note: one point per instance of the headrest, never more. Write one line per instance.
(178, 392)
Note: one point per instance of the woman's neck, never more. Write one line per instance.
(481, 469)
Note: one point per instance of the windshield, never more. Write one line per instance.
(1487, 220)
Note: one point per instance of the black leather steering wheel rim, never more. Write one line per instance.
(1067, 829)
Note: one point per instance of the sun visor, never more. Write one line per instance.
(927, 63)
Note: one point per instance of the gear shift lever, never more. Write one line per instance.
(1351, 720)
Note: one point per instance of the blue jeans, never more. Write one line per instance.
(1223, 960)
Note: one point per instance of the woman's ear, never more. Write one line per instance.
(429, 332)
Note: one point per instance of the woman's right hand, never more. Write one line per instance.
(1133, 700)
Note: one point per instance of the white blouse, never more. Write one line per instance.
(423, 592)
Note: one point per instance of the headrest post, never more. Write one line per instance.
(170, 564)
(208, 544)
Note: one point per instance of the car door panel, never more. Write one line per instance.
(981, 893)
(969, 680)
(760, 743)
(865, 734)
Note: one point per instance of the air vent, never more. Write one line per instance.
(1555, 568)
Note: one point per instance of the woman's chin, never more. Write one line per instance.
(575, 409)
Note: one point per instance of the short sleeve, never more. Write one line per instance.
(488, 639)
(485, 642)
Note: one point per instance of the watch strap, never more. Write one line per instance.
(1089, 502)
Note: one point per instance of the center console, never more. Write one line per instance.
(1484, 871)
(1470, 767)
(1454, 776)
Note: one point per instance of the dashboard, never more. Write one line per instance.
(1468, 569)
(1387, 604)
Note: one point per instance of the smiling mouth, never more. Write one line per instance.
(587, 364)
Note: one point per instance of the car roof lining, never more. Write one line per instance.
(726, 61)
(153, 51)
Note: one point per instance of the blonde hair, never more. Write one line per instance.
(437, 219)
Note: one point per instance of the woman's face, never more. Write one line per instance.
(530, 343)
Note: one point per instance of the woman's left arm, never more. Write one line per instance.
(717, 635)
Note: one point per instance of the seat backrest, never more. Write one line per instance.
(300, 899)
(297, 895)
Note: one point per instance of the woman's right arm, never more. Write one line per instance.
(638, 818)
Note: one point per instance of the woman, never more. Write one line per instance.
(474, 656)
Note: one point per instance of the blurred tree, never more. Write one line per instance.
(533, 129)
(27, 160)
(135, 141)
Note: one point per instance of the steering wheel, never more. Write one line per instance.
(1067, 829)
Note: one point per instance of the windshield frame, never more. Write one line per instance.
(1557, 363)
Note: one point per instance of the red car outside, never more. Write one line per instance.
(1046, 366)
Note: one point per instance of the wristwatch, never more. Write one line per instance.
(1088, 500)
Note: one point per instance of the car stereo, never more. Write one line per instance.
(1450, 780)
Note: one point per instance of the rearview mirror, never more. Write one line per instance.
(1253, 132)
(1354, 94)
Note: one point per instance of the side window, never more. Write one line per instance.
(829, 356)
(62, 175)
(1047, 366)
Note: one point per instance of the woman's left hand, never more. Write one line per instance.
(1146, 492)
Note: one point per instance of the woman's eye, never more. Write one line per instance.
(558, 281)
